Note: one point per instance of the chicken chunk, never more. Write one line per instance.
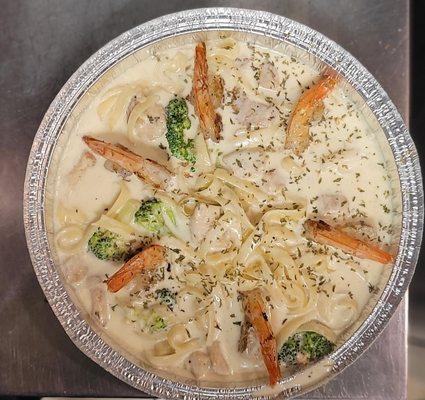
(218, 360)
(272, 182)
(99, 304)
(202, 221)
(199, 364)
(74, 270)
(86, 161)
(255, 166)
(151, 125)
(253, 114)
(227, 233)
(268, 76)
(333, 206)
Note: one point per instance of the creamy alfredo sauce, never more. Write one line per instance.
(341, 178)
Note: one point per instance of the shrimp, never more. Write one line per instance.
(323, 233)
(210, 121)
(147, 260)
(255, 314)
(298, 137)
(148, 170)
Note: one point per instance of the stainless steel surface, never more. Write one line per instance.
(32, 368)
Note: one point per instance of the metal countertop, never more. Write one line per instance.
(42, 42)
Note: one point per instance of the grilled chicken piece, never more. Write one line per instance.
(333, 206)
(254, 165)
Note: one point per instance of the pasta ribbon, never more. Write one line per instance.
(116, 103)
(175, 349)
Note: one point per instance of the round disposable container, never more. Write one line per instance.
(270, 29)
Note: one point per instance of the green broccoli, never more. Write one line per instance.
(150, 215)
(309, 345)
(167, 297)
(156, 323)
(177, 121)
(148, 319)
(107, 245)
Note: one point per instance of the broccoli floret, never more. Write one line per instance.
(289, 350)
(149, 215)
(107, 245)
(177, 121)
(167, 297)
(308, 345)
(156, 323)
(316, 346)
(148, 319)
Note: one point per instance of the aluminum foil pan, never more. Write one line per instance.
(407, 179)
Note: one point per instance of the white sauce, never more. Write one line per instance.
(309, 376)
(341, 176)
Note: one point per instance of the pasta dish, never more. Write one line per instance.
(223, 210)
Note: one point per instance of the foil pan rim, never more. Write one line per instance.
(251, 21)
